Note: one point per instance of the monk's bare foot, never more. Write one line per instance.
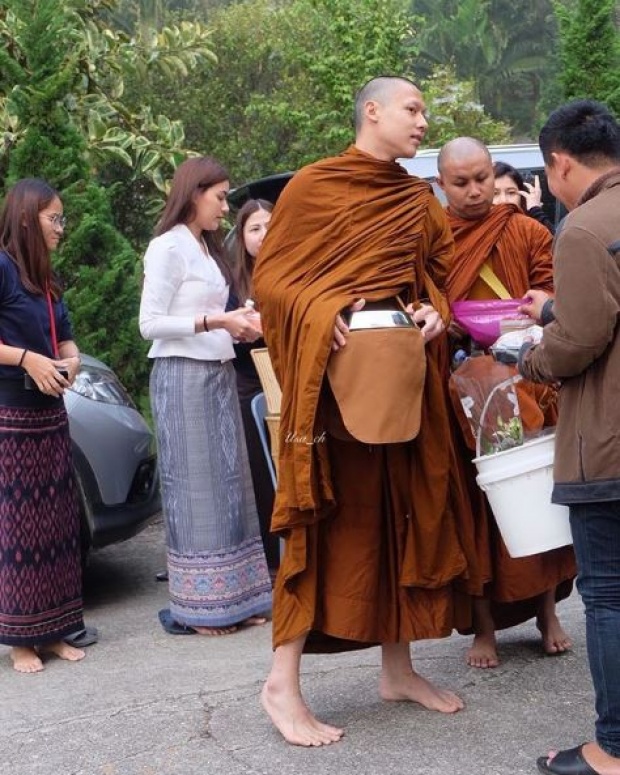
(253, 621)
(63, 650)
(483, 651)
(412, 687)
(215, 631)
(292, 718)
(555, 640)
(26, 660)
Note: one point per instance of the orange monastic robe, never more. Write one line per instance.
(371, 547)
(519, 251)
(518, 247)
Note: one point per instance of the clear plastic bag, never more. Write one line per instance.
(506, 348)
(489, 404)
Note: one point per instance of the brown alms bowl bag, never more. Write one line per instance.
(377, 380)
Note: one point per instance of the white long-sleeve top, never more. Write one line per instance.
(181, 282)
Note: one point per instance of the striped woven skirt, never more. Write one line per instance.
(40, 568)
(217, 570)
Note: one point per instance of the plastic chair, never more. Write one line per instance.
(259, 412)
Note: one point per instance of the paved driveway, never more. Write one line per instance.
(147, 703)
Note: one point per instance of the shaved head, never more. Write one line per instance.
(379, 89)
(466, 176)
(461, 149)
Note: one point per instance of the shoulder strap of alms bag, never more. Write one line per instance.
(488, 276)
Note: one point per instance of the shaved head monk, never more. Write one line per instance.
(516, 250)
(371, 551)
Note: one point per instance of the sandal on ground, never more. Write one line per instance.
(253, 621)
(171, 626)
(569, 762)
(84, 637)
(215, 632)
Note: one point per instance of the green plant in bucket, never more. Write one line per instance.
(508, 434)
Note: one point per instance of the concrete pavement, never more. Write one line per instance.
(147, 703)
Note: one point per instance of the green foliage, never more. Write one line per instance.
(92, 81)
(102, 274)
(501, 46)
(66, 119)
(281, 92)
(349, 42)
(453, 111)
(589, 50)
(134, 15)
(96, 262)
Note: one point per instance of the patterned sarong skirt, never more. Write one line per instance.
(217, 570)
(40, 568)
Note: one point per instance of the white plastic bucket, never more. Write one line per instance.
(518, 484)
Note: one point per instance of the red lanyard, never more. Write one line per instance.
(52, 325)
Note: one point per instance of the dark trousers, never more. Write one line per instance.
(596, 537)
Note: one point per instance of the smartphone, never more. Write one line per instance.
(30, 384)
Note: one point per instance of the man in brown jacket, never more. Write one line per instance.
(581, 349)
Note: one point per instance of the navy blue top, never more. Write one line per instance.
(25, 319)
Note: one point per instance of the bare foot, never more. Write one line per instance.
(253, 621)
(555, 640)
(292, 718)
(215, 631)
(483, 651)
(63, 650)
(26, 660)
(413, 688)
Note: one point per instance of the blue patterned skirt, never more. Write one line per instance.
(40, 569)
(217, 570)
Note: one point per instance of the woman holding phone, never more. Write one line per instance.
(40, 567)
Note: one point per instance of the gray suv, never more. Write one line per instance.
(114, 457)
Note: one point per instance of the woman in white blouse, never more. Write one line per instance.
(218, 577)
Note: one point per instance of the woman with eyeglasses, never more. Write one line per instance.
(40, 567)
(217, 573)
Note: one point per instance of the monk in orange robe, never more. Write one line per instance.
(518, 250)
(371, 547)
